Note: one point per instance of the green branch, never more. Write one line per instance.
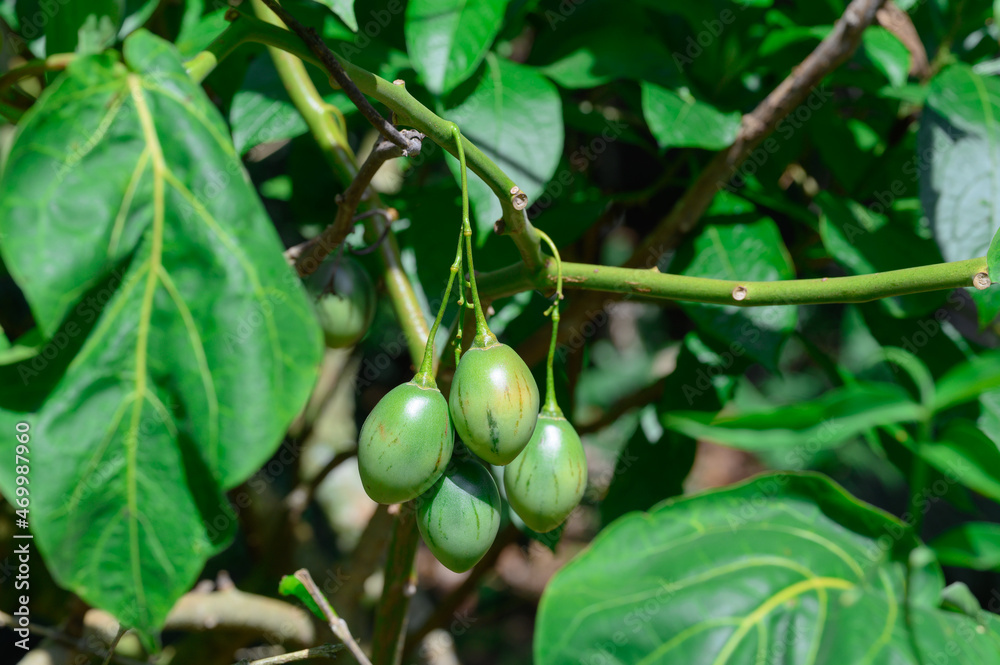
(409, 111)
(654, 285)
(332, 140)
(391, 620)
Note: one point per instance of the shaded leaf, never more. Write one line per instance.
(889, 55)
(590, 59)
(837, 416)
(866, 243)
(447, 39)
(677, 119)
(262, 111)
(344, 9)
(752, 251)
(85, 27)
(966, 455)
(514, 116)
(968, 380)
(973, 545)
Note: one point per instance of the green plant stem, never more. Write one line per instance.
(322, 651)
(551, 406)
(483, 335)
(654, 285)
(400, 584)
(337, 625)
(425, 376)
(332, 142)
(391, 619)
(245, 28)
(53, 63)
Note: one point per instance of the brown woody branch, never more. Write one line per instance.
(336, 70)
(756, 127)
(308, 255)
(400, 578)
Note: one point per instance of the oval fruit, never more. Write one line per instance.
(494, 402)
(405, 443)
(345, 300)
(547, 480)
(460, 515)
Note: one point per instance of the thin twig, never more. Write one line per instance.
(445, 609)
(639, 398)
(62, 638)
(114, 644)
(400, 585)
(299, 498)
(322, 651)
(756, 127)
(337, 625)
(332, 65)
(311, 253)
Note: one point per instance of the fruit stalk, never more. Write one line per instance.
(484, 337)
(551, 407)
(425, 375)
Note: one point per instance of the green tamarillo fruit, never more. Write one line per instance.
(345, 300)
(547, 480)
(405, 443)
(459, 516)
(494, 402)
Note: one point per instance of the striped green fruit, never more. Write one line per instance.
(547, 480)
(460, 515)
(494, 402)
(405, 443)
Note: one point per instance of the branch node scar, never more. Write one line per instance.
(981, 281)
(518, 199)
(740, 293)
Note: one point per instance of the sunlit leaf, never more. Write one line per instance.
(125, 212)
(786, 568)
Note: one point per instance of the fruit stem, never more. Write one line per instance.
(425, 375)
(484, 336)
(551, 407)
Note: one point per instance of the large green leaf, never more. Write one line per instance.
(677, 119)
(447, 39)
(784, 568)
(752, 251)
(515, 116)
(262, 111)
(828, 421)
(124, 206)
(959, 164)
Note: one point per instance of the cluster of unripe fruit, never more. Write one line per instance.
(406, 443)
(405, 446)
